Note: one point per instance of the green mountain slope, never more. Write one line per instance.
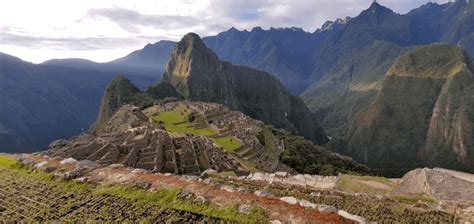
(422, 115)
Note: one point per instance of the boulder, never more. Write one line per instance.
(442, 184)
(228, 188)
(68, 161)
(207, 173)
(307, 204)
(289, 200)
(41, 165)
(263, 194)
(326, 208)
(281, 174)
(116, 166)
(349, 216)
(87, 164)
(139, 170)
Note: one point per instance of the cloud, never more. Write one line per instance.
(218, 15)
(69, 43)
(120, 26)
(131, 20)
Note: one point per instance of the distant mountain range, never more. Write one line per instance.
(41, 103)
(148, 62)
(338, 69)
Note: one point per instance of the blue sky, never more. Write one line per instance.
(107, 29)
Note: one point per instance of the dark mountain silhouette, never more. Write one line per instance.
(41, 103)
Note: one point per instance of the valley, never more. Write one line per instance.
(366, 119)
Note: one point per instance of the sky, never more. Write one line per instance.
(103, 30)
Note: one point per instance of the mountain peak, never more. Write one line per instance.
(431, 61)
(197, 74)
(375, 4)
(191, 43)
(376, 8)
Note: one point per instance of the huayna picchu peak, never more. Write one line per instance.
(198, 74)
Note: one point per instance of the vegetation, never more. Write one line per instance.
(413, 199)
(305, 157)
(178, 122)
(73, 201)
(362, 184)
(365, 205)
(229, 143)
(169, 198)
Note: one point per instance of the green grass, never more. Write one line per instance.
(228, 143)
(169, 198)
(176, 122)
(204, 161)
(227, 174)
(74, 186)
(413, 199)
(347, 183)
(171, 118)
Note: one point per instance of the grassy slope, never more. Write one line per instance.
(167, 198)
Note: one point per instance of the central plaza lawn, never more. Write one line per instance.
(176, 122)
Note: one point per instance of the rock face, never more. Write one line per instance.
(121, 91)
(198, 74)
(422, 115)
(442, 184)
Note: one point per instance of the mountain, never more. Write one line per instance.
(43, 102)
(349, 65)
(152, 57)
(147, 62)
(423, 114)
(281, 52)
(121, 91)
(198, 74)
(351, 86)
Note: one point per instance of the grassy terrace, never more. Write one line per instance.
(177, 123)
(51, 199)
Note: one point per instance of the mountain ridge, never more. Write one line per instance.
(198, 74)
(422, 115)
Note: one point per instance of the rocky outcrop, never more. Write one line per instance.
(121, 91)
(422, 115)
(446, 185)
(198, 74)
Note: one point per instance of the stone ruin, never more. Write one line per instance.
(238, 125)
(150, 149)
(126, 117)
(130, 138)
